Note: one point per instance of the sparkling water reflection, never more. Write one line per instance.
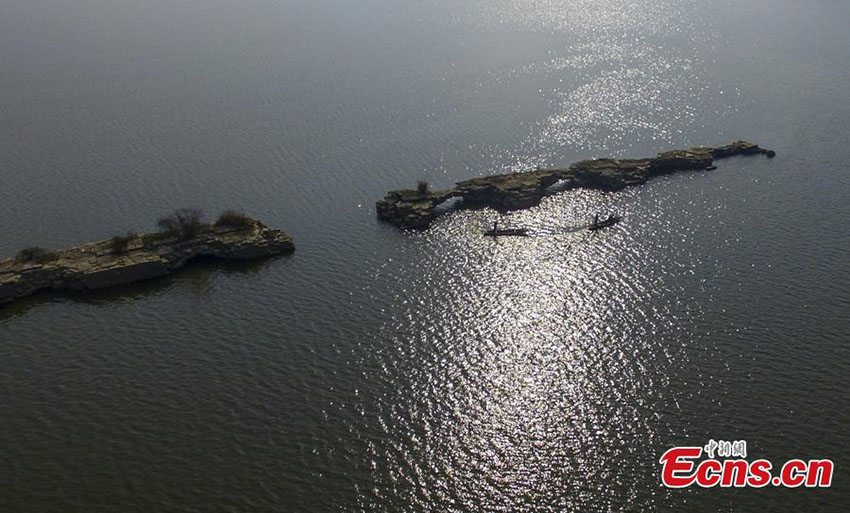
(377, 370)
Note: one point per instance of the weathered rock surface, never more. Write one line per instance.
(515, 191)
(411, 208)
(96, 266)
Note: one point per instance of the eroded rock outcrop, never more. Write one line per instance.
(515, 191)
(411, 208)
(97, 265)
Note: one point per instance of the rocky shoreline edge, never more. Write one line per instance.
(416, 208)
(132, 258)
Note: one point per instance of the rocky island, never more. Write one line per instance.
(131, 257)
(416, 208)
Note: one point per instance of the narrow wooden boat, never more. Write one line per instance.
(611, 221)
(507, 232)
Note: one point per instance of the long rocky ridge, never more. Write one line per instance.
(97, 265)
(416, 208)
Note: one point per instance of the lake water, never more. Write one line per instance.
(377, 370)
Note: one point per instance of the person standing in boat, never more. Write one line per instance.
(596, 219)
(495, 227)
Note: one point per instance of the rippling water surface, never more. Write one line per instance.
(377, 370)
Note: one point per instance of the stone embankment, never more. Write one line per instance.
(107, 264)
(514, 191)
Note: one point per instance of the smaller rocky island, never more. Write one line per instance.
(416, 208)
(182, 238)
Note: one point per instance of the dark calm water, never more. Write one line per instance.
(377, 370)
